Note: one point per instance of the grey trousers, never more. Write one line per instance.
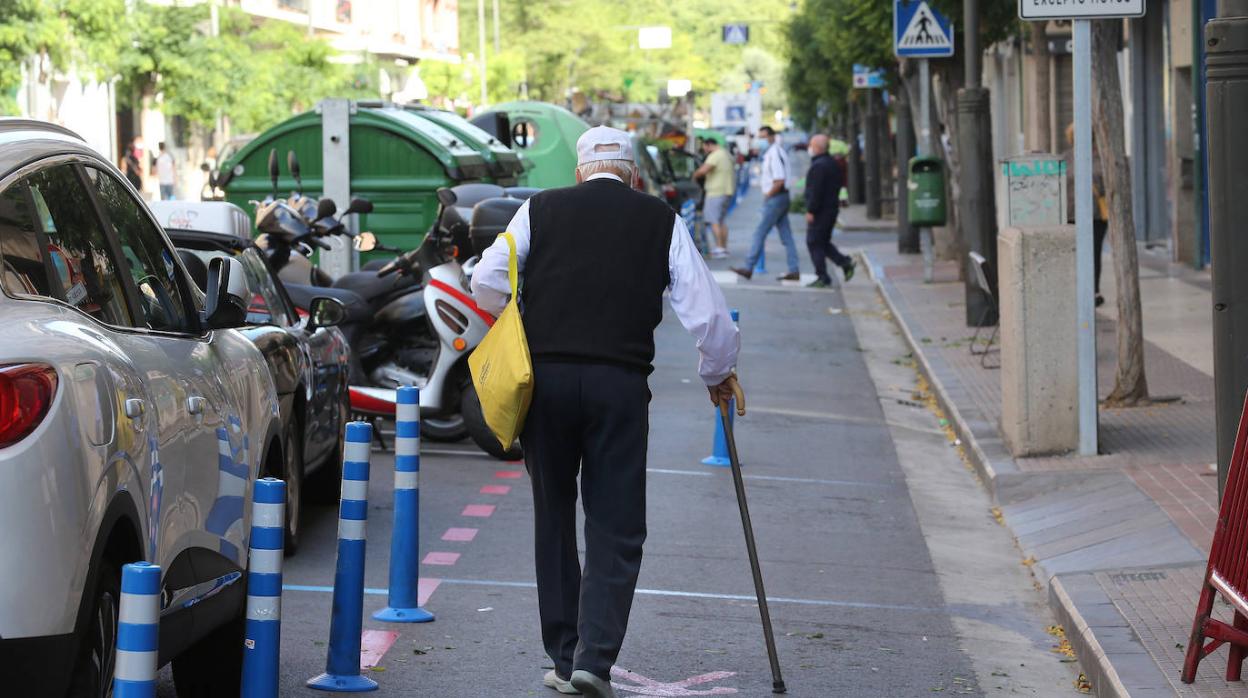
(593, 418)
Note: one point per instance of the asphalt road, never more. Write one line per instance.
(887, 573)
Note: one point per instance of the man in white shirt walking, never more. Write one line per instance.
(165, 174)
(596, 260)
(774, 183)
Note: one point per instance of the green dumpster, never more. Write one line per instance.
(399, 159)
(926, 192)
(542, 133)
(506, 168)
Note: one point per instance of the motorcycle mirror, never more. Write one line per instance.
(447, 197)
(359, 206)
(325, 208)
(203, 167)
(273, 171)
(292, 164)
(365, 242)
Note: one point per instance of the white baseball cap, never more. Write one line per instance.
(603, 143)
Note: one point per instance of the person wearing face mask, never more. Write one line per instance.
(774, 183)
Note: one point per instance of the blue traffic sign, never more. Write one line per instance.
(920, 31)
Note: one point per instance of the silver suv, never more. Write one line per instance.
(133, 422)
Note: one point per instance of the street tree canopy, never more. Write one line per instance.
(258, 74)
(557, 46)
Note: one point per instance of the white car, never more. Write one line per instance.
(133, 422)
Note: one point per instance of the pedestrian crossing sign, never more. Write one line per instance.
(736, 34)
(920, 32)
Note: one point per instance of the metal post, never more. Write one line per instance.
(1226, 39)
(1086, 331)
(907, 235)
(977, 207)
(336, 180)
(924, 147)
(497, 44)
(481, 52)
(871, 133)
(853, 168)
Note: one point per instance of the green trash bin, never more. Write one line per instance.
(926, 200)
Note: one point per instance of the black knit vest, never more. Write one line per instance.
(595, 274)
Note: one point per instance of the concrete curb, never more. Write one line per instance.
(1092, 657)
(982, 464)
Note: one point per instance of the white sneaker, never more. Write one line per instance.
(553, 680)
(719, 253)
(592, 686)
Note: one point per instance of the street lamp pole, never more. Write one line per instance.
(481, 50)
(977, 212)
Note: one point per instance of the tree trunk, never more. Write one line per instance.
(1130, 384)
(1039, 112)
(946, 79)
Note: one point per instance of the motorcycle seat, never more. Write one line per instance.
(358, 310)
(372, 287)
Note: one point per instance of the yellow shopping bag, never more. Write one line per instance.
(501, 369)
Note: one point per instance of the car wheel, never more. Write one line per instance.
(94, 675)
(474, 420)
(213, 666)
(293, 474)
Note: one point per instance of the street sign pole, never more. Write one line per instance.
(1085, 297)
(1085, 332)
(924, 148)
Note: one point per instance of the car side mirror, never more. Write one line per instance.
(366, 242)
(226, 303)
(359, 206)
(325, 312)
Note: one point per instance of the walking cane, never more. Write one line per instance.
(777, 681)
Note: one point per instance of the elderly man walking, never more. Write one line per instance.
(774, 183)
(823, 194)
(596, 259)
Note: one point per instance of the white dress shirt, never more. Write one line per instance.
(775, 166)
(695, 296)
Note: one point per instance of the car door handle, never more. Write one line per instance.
(195, 404)
(134, 408)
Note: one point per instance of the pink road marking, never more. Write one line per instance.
(643, 686)
(460, 535)
(495, 489)
(478, 510)
(508, 474)
(373, 646)
(440, 559)
(424, 589)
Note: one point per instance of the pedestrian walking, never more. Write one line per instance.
(1100, 206)
(165, 174)
(773, 181)
(823, 204)
(596, 259)
(720, 184)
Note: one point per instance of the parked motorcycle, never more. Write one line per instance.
(411, 323)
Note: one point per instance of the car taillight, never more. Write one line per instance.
(669, 191)
(26, 392)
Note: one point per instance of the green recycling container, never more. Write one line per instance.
(926, 199)
(399, 159)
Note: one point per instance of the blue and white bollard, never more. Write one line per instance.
(403, 604)
(719, 447)
(138, 632)
(342, 667)
(264, 589)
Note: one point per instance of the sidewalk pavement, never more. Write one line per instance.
(1120, 538)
